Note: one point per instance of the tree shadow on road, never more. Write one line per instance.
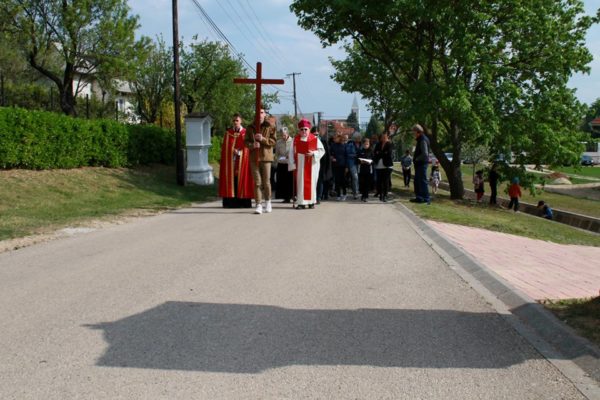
(239, 338)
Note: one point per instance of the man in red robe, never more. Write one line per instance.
(305, 155)
(236, 186)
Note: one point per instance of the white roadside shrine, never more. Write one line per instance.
(197, 138)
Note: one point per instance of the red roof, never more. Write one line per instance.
(595, 121)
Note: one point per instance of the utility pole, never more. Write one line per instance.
(177, 98)
(293, 75)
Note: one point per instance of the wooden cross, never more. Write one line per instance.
(259, 81)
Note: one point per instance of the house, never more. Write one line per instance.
(122, 94)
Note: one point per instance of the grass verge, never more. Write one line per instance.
(555, 200)
(583, 315)
(469, 213)
(35, 202)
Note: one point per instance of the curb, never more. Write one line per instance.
(576, 357)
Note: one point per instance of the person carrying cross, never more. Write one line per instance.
(261, 142)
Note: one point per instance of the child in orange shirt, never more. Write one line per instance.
(514, 192)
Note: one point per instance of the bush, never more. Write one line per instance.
(214, 154)
(44, 140)
(150, 144)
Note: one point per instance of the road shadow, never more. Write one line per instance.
(238, 338)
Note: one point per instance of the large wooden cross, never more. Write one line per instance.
(259, 81)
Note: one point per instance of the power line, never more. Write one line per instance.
(214, 27)
(221, 35)
(265, 37)
(246, 26)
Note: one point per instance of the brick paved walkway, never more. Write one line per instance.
(542, 270)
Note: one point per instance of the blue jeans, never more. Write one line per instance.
(354, 176)
(421, 183)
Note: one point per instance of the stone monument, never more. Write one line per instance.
(197, 137)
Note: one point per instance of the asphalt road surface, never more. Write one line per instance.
(342, 302)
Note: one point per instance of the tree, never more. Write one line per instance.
(492, 73)
(207, 73)
(153, 80)
(359, 73)
(375, 127)
(60, 39)
(352, 121)
(593, 112)
(290, 122)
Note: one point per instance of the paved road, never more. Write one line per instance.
(345, 301)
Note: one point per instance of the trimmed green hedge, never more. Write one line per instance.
(45, 140)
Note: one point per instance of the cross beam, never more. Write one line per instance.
(258, 81)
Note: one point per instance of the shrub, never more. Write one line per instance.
(150, 144)
(44, 140)
(214, 154)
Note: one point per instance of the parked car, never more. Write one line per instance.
(587, 160)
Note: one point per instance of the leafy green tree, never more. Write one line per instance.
(492, 73)
(153, 82)
(290, 122)
(207, 73)
(593, 112)
(352, 121)
(61, 39)
(362, 74)
(374, 127)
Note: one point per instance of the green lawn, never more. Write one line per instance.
(593, 172)
(469, 213)
(558, 201)
(40, 201)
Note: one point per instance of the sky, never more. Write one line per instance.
(267, 31)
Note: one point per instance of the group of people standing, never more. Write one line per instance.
(310, 167)
(246, 159)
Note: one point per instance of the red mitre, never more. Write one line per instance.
(304, 123)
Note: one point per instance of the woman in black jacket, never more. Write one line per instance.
(382, 159)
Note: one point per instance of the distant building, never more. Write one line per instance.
(122, 94)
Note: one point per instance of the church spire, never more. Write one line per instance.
(356, 110)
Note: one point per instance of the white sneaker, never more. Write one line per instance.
(268, 208)
(344, 198)
(258, 209)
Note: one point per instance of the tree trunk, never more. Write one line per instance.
(452, 168)
(454, 174)
(67, 100)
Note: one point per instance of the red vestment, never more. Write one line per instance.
(303, 147)
(235, 163)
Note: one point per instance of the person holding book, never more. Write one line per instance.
(365, 171)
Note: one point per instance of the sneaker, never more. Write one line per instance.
(268, 208)
(339, 198)
(259, 209)
(344, 198)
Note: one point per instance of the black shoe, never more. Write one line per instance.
(302, 207)
(416, 200)
(311, 206)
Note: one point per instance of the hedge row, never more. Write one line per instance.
(44, 140)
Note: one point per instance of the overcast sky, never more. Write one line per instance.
(266, 31)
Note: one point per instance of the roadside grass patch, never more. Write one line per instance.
(555, 200)
(592, 172)
(583, 315)
(470, 213)
(35, 202)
